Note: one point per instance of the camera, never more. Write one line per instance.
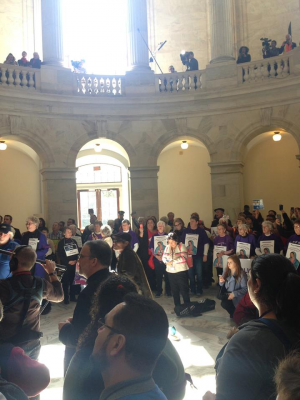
(266, 43)
(184, 56)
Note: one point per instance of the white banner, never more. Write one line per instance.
(160, 243)
(293, 254)
(191, 244)
(243, 250)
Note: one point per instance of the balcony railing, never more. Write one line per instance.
(179, 82)
(16, 77)
(98, 85)
(266, 69)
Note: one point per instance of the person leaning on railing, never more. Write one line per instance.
(10, 59)
(244, 55)
(272, 51)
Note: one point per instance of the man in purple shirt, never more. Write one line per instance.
(126, 228)
(197, 250)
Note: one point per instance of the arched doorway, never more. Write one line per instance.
(20, 180)
(102, 181)
(184, 181)
(271, 171)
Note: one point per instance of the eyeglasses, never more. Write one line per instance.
(178, 224)
(30, 223)
(102, 325)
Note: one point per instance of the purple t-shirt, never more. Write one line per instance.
(202, 238)
(224, 241)
(247, 239)
(278, 245)
(294, 239)
(134, 238)
(99, 236)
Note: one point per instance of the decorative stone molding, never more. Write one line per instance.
(226, 167)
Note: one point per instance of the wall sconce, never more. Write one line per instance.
(276, 136)
(98, 148)
(3, 145)
(184, 145)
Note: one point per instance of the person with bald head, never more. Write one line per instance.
(287, 45)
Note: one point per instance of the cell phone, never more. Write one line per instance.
(280, 207)
(91, 211)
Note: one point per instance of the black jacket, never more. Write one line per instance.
(70, 333)
(192, 65)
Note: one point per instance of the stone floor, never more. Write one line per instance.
(201, 339)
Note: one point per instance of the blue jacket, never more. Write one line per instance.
(4, 260)
(239, 288)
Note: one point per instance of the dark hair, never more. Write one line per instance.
(67, 227)
(73, 220)
(180, 221)
(62, 222)
(174, 236)
(45, 229)
(274, 41)
(195, 216)
(100, 249)
(273, 211)
(145, 326)
(280, 286)
(43, 223)
(297, 221)
(9, 216)
(287, 377)
(152, 219)
(110, 293)
(271, 216)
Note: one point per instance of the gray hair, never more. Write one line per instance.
(34, 220)
(164, 219)
(106, 230)
(161, 223)
(244, 226)
(269, 224)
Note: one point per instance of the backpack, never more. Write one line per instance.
(195, 308)
(25, 296)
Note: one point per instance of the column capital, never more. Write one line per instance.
(226, 167)
(58, 173)
(143, 172)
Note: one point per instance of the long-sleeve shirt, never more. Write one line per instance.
(224, 241)
(176, 257)
(238, 288)
(278, 245)
(202, 240)
(41, 249)
(4, 259)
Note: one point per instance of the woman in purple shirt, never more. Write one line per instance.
(245, 237)
(223, 240)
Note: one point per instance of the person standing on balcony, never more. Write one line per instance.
(35, 62)
(288, 45)
(23, 62)
(244, 55)
(192, 64)
(10, 59)
(171, 69)
(272, 51)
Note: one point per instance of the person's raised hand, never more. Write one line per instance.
(49, 267)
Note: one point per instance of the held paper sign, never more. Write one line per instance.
(191, 244)
(217, 257)
(78, 241)
(33, 243)
(214, 230)
(243, 250)
(267, 246)
(293, 254)
(160, 243)
(71, 249)
(258, 204)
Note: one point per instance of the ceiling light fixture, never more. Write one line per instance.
(276, 136)
(3, 145)
(184, 145)
(98, 148)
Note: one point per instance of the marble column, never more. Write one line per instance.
(227, 187)
(138, 54)
(59, 193)
(52, 32)
(144, 190)
(221, 20)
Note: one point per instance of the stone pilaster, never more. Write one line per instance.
(221, 14)
(52, 32)
(138, 54)
(59, 189)
(144, 190)
(227, 186)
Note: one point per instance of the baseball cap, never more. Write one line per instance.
(5, 228)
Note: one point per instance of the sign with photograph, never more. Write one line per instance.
(217, 257)
(160, 243)
(293, 254)
(214, 230)
(267, 246)
(71, 249)
(191, 244)
(243, 250)
(258, 204)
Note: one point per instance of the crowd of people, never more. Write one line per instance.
(34, 62)
(116, 341)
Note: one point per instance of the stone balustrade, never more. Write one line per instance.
(268, 68)
(179, 82)
(98, 85)
(17, 77)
